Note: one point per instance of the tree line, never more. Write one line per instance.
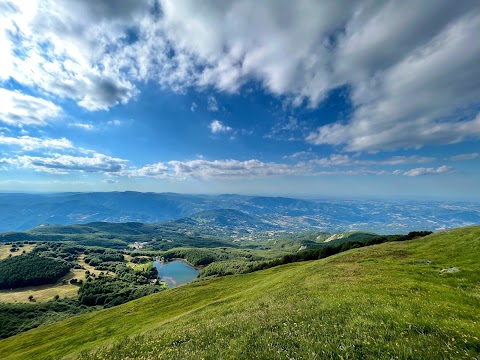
(126, 285)
(323, 252)
(30, 270)
(16, 318)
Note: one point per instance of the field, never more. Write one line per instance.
(140, 267)
(385, 301)
(47, 292)
(5, 250)
(44, 292)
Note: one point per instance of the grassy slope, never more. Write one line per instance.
(376, 302)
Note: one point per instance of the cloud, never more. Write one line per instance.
(423, 97)
(18, 109)
(110, 181)
(115, 122)
(212, 104)
(463, 157)
(92, 162)
(399, 60)
(400, 160)
(346, 160)
(287, 130)
(428, 171)
(194, 106)
(32, 143)
(105, 93)
(63, 50)
(334, 159)
(221, 169)
(300, 155)
(104, 126)
(201, 168)
(406, 82)
(230, 168)
(64, 164)
(87, 127)
(217, 126)
(158, 170)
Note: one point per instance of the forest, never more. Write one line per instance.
(16, 318)
(127, 284)
(31, 270)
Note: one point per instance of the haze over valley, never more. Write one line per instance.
(228, 214)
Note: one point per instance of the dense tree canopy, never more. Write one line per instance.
(30, 270)
(16, 318)
(126, 285)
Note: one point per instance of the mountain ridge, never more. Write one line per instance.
(26, 211)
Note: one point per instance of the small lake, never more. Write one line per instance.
(175, 273)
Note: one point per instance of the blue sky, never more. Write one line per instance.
(309, 98)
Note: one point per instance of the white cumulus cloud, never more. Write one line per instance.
(230, 168)
(83, 126)
(216, 126)
(158, 170)
(18, 109)
(64, 164)
(410, 68)
(31, 143)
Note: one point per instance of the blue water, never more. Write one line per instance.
(175, 273)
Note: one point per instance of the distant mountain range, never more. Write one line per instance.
(233, 212)
(228, 220)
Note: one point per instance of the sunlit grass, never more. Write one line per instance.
(47, 292)
(5, 250)
(140, 267)
(381, 302)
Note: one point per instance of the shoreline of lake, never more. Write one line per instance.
(196, 267)
(175, 273)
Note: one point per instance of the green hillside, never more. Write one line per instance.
(381, 302)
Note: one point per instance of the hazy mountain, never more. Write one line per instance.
(225, 220)
(25, 211)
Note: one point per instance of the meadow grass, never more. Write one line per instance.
(141, 267)
(5, 250)
(46, 292)
(380, 302)
(43, 293)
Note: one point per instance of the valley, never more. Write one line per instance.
(233, 215)
(198, 269)
(378, 301)
(102, 265)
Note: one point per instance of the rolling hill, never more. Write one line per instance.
(225, 220)
(408, 300)
(19, 212)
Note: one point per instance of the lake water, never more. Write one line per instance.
(175, 273)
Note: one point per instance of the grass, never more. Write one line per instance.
(81, 275)
(47, 292)
(140, 267)
(5, 250)
(44, 293)
(381, 302)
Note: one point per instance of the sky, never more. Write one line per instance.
(301, 98)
